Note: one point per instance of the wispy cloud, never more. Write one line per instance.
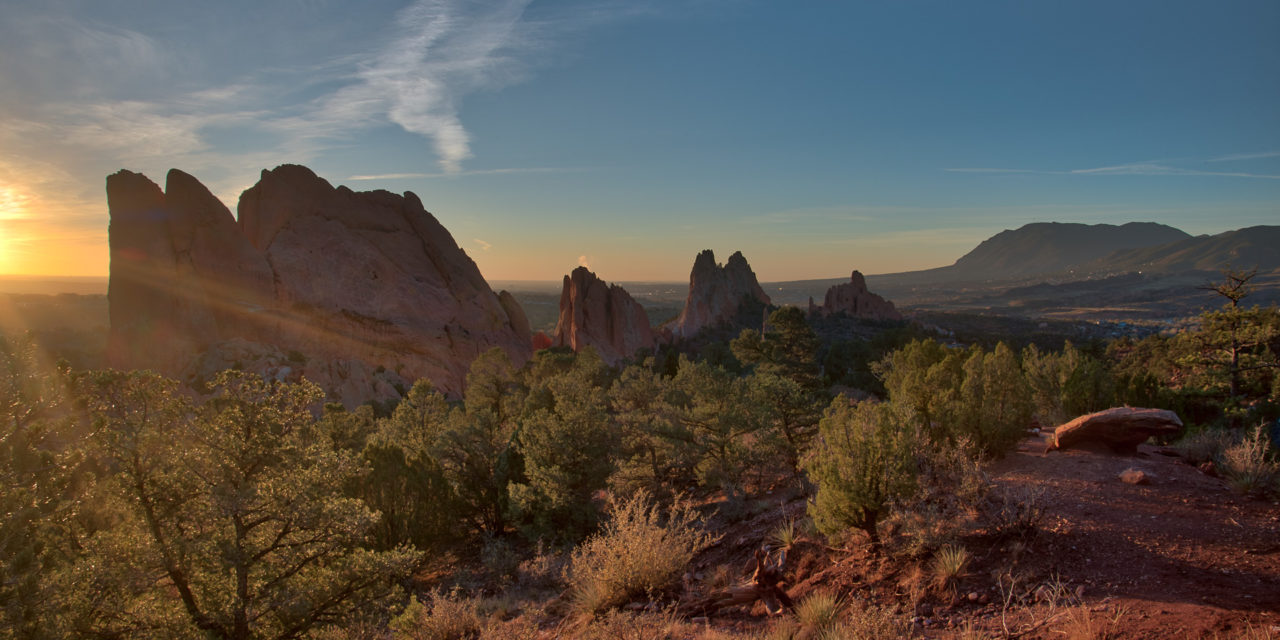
(1237, 157)
(441, 50)
(484, 246)
(583, 261)
(472, 172)
(1133, 169)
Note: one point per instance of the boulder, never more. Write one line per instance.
(717, 293)
(348, 285)
(1121, 428)
(855, 300)
(603, 316)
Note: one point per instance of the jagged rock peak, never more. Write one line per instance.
(603, 316)
(854, 299)
(717, 293)
(347, 284)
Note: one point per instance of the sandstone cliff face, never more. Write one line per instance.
(602, 316)
(716, 293)
(349, 285)
(854, 299)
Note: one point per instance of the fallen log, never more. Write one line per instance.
(1120, 428)
(764, 586)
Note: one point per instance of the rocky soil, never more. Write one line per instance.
(1177, 556)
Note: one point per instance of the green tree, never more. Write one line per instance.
(656, 452)
(237, 505)
(709, 404)
(863, 460)
(1235, 346)
(406, 485)
(567, 440)
(789, 348)
(38, 493)
(925, 378)
(1066, 384)
(790, 416)
(996, 401)
(477, 450)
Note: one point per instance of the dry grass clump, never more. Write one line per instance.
(439, 618)
(921, 530)
(872, 622)
(638, 553)
(1082, 623)
(1248, 467)
(1012, 512)
(1204, 446)
(620, 625)
(1250, 632)
(823, 616)
(951, 489)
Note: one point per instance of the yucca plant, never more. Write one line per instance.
(949, 564)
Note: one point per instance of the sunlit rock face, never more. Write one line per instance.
(716, 293)
(362, 292)
(855, 300)
(603, 316)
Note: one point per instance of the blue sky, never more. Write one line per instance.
(816, 137)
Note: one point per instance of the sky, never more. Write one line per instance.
(816, 137)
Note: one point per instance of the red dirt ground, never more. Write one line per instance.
(1181, 557)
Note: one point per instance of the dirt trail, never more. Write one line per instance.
(1180, 557)
(1184, 555)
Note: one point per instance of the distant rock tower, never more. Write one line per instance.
(854, 299)
(716, 293)
(603, 316)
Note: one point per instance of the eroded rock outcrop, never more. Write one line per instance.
(603, 316)
(348, 285)
(717, 294)
(1120, 428)
(855, 300)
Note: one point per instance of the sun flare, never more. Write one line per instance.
(13, 206)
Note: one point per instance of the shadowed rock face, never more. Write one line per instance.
(854, 299)
(602, 316)
(716, 293)
(1121, 428)
(348, 284)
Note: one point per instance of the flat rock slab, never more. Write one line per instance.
(1121, 428)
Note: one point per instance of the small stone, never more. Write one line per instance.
(1208, 469)
(1134, 476)
(984, 599)
(974, 596)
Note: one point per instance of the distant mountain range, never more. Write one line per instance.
(1134, 270)
(1056, 247)
(1248, 248)
(1072, 251)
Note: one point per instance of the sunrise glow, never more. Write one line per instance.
(13, 209)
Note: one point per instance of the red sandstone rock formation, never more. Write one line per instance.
(1121, 428)
(348, 285)
(603, 316)
(716, 293)
(854, 299)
